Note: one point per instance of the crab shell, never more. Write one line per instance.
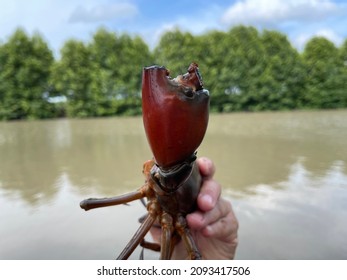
(175, 114)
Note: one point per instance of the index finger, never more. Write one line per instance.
(206, 167)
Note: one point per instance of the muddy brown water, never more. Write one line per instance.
(285, 174)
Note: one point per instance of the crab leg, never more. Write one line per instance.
(150, 245)
(184, 232)
(92, 203)
(166, 236)
(141, 232)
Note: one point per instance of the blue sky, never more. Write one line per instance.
(59, 20)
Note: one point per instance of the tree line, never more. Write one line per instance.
(243, 68)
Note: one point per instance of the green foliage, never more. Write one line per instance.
(71, 77)
(325, 86)
(246, 59)
(285, 69)
(102, 78)
(174, 48)
(24, 71)
(117, 62)
(244, 69)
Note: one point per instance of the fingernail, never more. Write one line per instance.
(207, 199)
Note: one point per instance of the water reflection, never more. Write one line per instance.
(28, 161)
(303, 217)
(261, 147)
(96, 154)
(284, 172)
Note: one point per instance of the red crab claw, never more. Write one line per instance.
(175, 113)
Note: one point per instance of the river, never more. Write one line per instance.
(285, 174)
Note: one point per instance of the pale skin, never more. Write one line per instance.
(214, 225)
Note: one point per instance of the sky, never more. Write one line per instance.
(60, 20)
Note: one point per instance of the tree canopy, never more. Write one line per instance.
(244, 69)
(25, 64)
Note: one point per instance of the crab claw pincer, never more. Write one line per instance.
(175, 113)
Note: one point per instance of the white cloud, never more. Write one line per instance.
(301, 40)
(299, 19)
(331, 35)
(208, 20)
(273, 12)
(61, 20)
(104, 12)
(159, 31)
